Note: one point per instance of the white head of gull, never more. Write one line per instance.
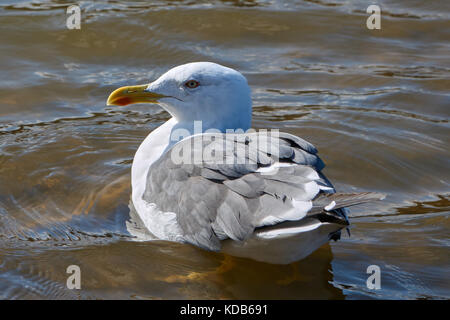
(234, 208)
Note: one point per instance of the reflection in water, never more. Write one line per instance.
(375, 105)
(153, 270)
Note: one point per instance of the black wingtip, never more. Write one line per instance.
(332, 217)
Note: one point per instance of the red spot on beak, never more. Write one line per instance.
(123, 101)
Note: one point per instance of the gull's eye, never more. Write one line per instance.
(192, 84)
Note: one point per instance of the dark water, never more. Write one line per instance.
(375, 103)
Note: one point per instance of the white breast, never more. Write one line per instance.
(161, 224)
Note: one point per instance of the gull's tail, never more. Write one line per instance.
(331, 207)
(333, 201)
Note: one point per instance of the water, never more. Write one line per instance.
(375, 103)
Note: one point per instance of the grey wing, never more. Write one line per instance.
(226, 185)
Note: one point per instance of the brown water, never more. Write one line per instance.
(375, 103)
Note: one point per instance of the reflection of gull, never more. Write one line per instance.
(271, 205)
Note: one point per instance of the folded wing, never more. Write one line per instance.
(225, 185)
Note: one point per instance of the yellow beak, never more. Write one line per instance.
(132, 94)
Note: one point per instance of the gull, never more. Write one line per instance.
(265, 201)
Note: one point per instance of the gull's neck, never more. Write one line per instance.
(195, 127)
(149, 151)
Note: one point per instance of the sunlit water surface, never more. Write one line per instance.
(375, 103)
